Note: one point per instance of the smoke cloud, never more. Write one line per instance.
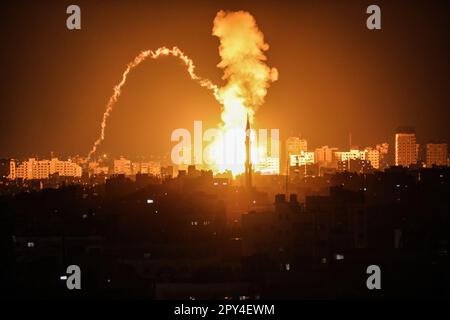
(243, 62)
(246, 74)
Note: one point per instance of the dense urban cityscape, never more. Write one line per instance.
(301, 161)
(225, 159)
(145, 230)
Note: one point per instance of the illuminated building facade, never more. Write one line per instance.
(42, 169)
(122, 166)
(152, 167)
(325, 156)
(295, 145)
(301, 159)
(269, 165)
(436, 154)
(406, 148)
(353, 154)
(373, 155)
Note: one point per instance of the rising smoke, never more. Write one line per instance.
(247, 79)
(246, 74)
(242, 49)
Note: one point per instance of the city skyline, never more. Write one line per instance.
(225, 155)
(298, 156)
(62, 115)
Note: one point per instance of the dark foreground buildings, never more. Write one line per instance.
(200, 237)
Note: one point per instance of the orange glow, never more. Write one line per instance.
(248, 77)
(161, 52)
(242, 49)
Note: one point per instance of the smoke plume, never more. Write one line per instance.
(246, 74)
(243, 61)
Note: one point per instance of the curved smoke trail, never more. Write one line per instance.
(163, 51)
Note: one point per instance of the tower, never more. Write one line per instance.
(436, 154)
(248, 164)
(406, 148)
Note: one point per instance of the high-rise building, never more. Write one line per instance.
(325, 156)
(64, 168)
(101, 170)
(383, 149)
(301, 159)
(436, 154)
(42, 169)
(295, 145)
(122, 166)
(301, 165)
(12, 169)
(406, 148)
(97, 168)
(355, 165)
(151, 167)
(353, 154)
(268, 165)
(373, 155)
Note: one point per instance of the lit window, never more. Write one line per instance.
(339, 257)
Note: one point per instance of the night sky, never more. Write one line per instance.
(335, 75)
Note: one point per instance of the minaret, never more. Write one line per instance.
(248, 164)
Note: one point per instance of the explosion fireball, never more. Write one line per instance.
(247, 79)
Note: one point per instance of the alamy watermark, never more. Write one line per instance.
(223, 146)
(72, 277)
(73, 21)
(374, 280)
